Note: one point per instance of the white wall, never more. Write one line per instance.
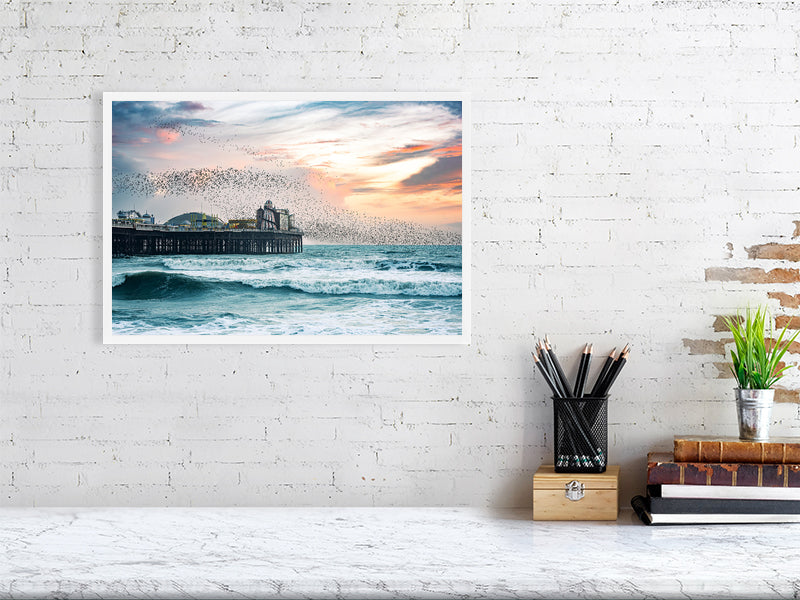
(619, 151)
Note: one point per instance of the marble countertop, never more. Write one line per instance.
(383, 553)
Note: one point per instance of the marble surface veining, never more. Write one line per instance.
(383, 553)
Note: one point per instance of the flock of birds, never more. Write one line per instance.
(236, 193)
(232, 193)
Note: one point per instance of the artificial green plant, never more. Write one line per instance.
(755, 363)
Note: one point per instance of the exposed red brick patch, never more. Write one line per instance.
(705, 346)
(786, 300)
(719, 322)
(788, 321)
(775, 252)
(723, 370)
(752, 275)
(783, 395)
(794, 347)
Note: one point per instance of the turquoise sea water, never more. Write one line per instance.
(325, 290)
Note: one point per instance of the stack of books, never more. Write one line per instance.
(722, 480)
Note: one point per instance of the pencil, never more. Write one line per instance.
(602, 375)
(583, 370)
(581, 431)
(545, 374)
(606, 385)
(564, 460)
(559, 370)
(614, 373)
(547, 359)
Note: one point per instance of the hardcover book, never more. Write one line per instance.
(669, 490)
(662, 468)
(721, 506)
(640, 505)
(733, 450)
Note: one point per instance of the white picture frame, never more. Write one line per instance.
(116, 330)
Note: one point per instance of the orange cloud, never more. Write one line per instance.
(417, 148)
(448, 151)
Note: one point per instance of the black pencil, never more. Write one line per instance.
(577, 455)
(583, 370)
(581, 431)
(602, 375)
(545, 374)
(614, 373)
(547, 360)
(559, 370)
(604, 386)
(570, 441)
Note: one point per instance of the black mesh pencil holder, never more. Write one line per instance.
(581, 435)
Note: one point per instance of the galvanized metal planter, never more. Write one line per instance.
(754, 409)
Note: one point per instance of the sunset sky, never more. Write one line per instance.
(387, 159)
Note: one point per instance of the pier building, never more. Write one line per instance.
(271, 232)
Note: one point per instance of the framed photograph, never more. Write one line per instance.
(285, 218)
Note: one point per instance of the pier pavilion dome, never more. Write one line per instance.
(196, 220)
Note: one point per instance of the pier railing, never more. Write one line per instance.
(142, 240)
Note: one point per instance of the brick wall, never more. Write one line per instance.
(635, 176)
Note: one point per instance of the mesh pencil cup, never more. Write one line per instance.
(581, 434)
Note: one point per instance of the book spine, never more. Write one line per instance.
(732, 492)
(718, 451)
(730, 474)
(721, 506)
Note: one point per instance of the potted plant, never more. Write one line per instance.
(755, 366)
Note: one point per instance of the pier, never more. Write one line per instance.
(142, 240)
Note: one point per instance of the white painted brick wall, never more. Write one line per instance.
(617, 149)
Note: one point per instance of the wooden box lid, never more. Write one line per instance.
(547, 479)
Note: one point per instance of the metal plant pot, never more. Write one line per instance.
(754, 408)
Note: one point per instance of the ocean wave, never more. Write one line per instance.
(416, 265)
(369, 287)
(372, 316)
(223, 324)
(148, 285)
(152, 285)
(272, 263)
(238, 263)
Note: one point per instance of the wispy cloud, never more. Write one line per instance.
(386, 158)
(444, 173)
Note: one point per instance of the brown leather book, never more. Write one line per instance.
(663, 469)
(692, 448)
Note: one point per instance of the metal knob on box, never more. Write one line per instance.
(573, 490)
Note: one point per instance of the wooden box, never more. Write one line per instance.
(575, 496)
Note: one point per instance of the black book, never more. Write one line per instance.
(707, 506)
(641, 505)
